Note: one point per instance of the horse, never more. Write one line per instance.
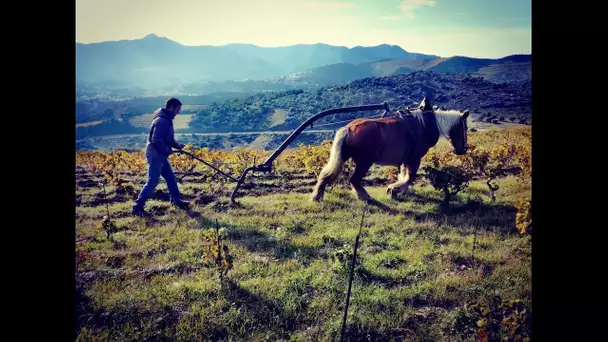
(400, 141)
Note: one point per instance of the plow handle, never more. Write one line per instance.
(211, 166)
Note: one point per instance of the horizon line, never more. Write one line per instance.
(154, 35)
(236, 43)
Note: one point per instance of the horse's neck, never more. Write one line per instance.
(430, 127)
(446, 121)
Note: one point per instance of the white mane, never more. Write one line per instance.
(446, 120)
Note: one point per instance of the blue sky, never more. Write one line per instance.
(476, 28)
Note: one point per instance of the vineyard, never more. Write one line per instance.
(449, 261)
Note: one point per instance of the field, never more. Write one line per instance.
(277, 117)
(425, 271)
(180, 122)
(86, 124)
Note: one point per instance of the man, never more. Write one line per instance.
(158, 148)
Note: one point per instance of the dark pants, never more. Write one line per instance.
(158, 167)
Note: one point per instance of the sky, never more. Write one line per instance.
(475, 28)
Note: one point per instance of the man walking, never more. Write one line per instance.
(158, 148)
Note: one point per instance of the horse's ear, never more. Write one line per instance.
(425, 104)
(465, 114)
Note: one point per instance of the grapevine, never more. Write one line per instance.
(108, 226)
(217, 253)
(492, 155)
(523, 218)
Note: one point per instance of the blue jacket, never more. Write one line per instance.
(161, 136)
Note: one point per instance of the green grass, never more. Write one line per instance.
(415, 270)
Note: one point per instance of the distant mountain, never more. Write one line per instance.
(304, 57)
(510, 68)
(156, 62)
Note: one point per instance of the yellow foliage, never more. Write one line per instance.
(489, 150)
(523, 218)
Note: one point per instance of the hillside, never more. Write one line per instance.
(139, 63)
(94, 109)
(489, 101)
(512, 99)
(506, 72)
(423, 272)
(510, 68)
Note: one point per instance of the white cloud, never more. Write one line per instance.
(408, 6)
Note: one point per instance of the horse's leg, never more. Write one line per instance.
(407, 177)
(361, 169)
(403, 177)
(319, 190)
(412, 174)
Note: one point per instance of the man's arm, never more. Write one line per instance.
(161, 137)
(169, 136)
(171, 142)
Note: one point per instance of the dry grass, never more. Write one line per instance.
(180, 122)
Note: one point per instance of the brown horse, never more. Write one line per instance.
(400, 141)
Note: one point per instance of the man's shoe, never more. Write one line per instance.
(139, 211)
(181, 204)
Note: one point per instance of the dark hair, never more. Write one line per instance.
(172, 102)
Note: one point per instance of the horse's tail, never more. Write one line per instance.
(334, 165)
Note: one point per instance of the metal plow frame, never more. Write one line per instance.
(266, 166)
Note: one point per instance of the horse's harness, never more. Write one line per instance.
(408, 115)
(405, 118)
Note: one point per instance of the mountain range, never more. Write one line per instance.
(510, 68)
(239, 87)
(154, 62)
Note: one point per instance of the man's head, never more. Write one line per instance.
(173, 106)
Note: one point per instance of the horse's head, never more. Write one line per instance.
(452, 124)
(458, 134)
